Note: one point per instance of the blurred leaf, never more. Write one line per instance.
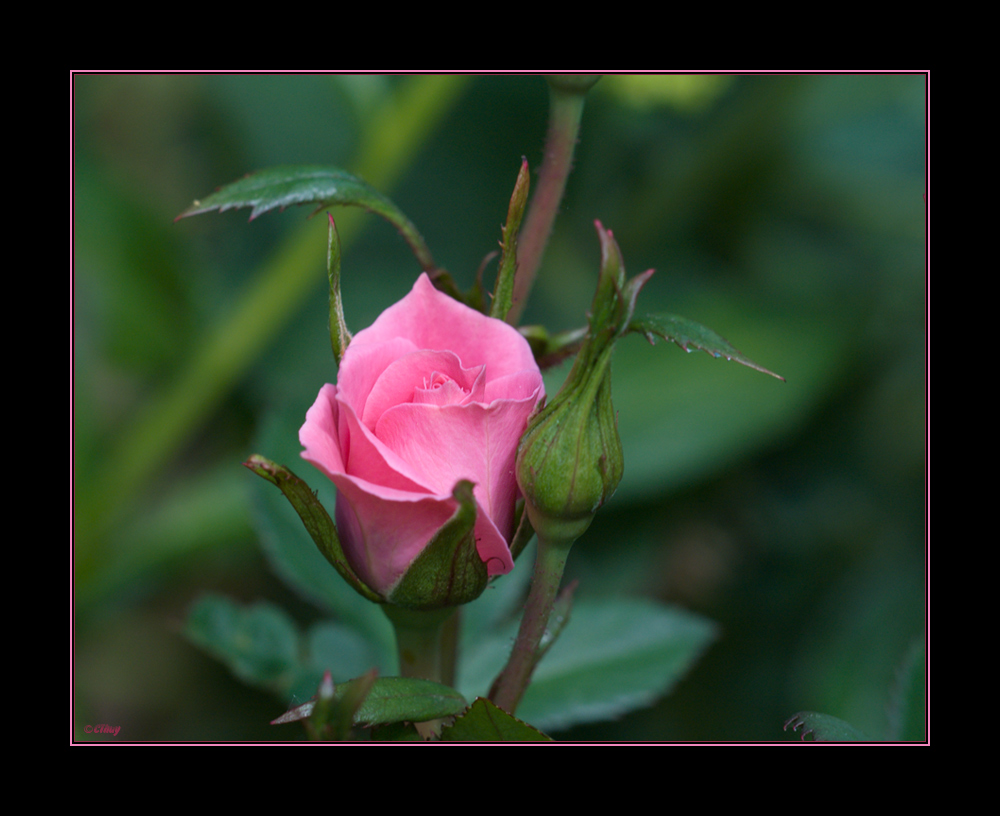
(683, 420)
(261, 645)
(908, 708)
(871, 610)
(188, 519)
(614, 656)
(341, 650)
(258, 643)
(825, 728)
(690, 335)
(485, 722)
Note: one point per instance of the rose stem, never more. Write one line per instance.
(425, 642)
(550, 561)
(566, 97)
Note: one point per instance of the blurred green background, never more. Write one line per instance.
(785, 212)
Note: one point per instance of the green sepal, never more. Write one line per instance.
(280, 187)
(390, 700)
(690, 336)
(606, 310)
(449, 571)
(503, 293)
(487, 722)
(340, 337)
(825, 728)
(314, 517)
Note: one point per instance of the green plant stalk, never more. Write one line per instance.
(565, 111)
(426, 643)
(550, 562)
(390, 141)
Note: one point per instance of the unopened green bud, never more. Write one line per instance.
(570, 461)
(570, 458)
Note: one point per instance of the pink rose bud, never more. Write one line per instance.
(431, 395)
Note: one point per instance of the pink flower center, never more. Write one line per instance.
(440, 389)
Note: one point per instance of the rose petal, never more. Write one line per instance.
(519, 385)
(430, 319)
(445, 444)
(380, 549)
(402, 379)
(319, 433)
(371, 459)
(378, 546)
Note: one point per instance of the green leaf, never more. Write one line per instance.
(280, 187)
(406, 699)
(683, 421)
(314, 516)
(258, 643)
(392, 700)
(825, 728)
(485, 722)
(287, 185)
(616, 655)
(689, 336)
(261, 645)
